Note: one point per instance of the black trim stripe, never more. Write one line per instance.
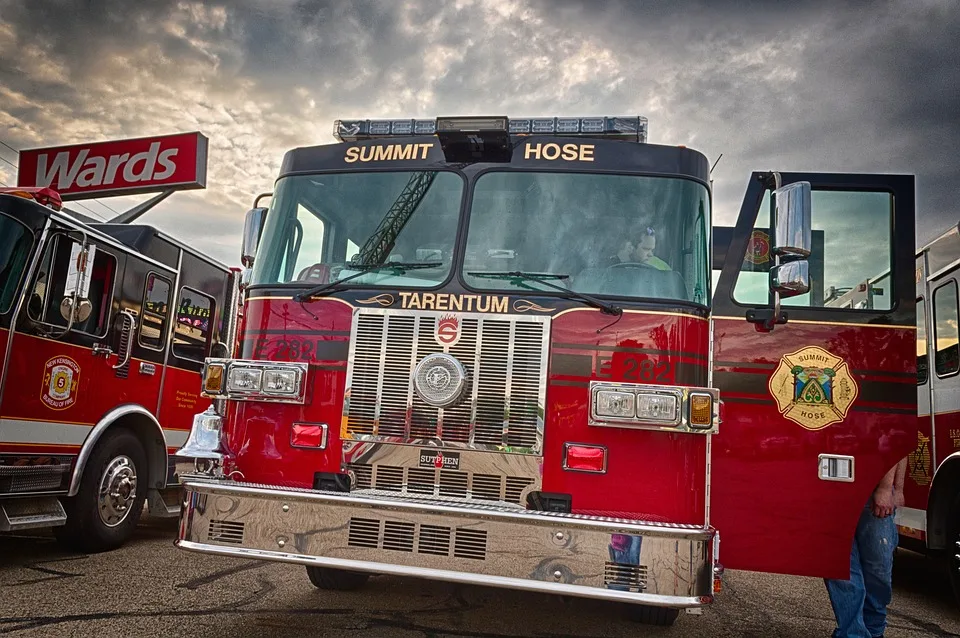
(596, 348)
(727, 399)
(282, 331)
(886, 373)
(870, 391)
(321, 350)
(571, 365)
(335, 368)
(744, 364)
(575, 384)
(867, 408)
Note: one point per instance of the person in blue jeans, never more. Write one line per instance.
(860, 603)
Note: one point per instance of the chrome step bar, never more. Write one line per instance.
(31, 513)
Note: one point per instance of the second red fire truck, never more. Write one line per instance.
(104, 328)
(507, 352)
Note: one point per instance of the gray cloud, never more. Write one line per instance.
(866, 86)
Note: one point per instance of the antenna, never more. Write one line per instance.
(715, 164)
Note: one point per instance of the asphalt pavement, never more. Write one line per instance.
(150, 588)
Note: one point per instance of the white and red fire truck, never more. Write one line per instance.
(104, 328)
(490, 350)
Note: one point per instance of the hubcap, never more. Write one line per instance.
(118, 491)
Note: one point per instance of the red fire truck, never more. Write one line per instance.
(104, 328)
(498, 351)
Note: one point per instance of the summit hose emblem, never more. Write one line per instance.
(813, 388)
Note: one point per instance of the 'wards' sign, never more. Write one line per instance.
(120, 167)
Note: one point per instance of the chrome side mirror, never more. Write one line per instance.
(794, 229)
(252, 227)
(793, 233)
(790, 279)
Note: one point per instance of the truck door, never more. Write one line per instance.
(62, 379)
(818, 409)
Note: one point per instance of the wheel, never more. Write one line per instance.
(648, 615)
(338, 579)
(952, 553)
(107, 507)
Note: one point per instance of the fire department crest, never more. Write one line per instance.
(61, 378)
(813, 388)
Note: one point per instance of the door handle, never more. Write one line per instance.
(101, 349)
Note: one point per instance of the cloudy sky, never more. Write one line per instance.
(805, 85)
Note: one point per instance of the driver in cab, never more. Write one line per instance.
(639, 250)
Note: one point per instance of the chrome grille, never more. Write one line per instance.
(625, 577)
(225, 532)
(506, 362)
(403, 536)
(452, 483)
(32, 478)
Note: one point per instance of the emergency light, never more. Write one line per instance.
(43, 195)
(631, 127)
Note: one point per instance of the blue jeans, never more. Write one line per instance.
(860, 604)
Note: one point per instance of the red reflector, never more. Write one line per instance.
(312, 435)
(584, 458)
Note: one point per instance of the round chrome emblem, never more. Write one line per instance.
(440, 380)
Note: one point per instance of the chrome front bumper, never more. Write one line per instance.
(493, 545)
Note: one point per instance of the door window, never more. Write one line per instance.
(191, 336)
(922, 364)
(851, 256)
(59, 276)
(945, 334)
(156, 310)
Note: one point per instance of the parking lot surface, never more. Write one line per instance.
(150, 588)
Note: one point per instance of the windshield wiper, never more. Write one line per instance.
(519, 277)
(398, 267)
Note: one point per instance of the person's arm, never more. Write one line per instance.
(898, 480)
(883, 497)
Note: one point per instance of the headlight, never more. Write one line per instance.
(616, 404)
(282, 382)
(658, 407)
(648, 406)
(244, 379)
(276, 381)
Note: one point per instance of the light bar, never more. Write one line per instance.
(631, 127)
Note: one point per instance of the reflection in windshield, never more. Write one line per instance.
(326, 227)
(617, 235)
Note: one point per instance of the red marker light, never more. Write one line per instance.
(581, 457)
(309, 435)
(40, 194)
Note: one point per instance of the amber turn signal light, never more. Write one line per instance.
(701, 410)
(213, 381)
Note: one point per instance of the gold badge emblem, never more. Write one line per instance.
(920, 461)
(813, 388)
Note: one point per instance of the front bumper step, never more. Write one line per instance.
(31, 513)
(481, 543)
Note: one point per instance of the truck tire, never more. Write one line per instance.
(952, 553)
(650, 615)
(336, 579)
(118, 469)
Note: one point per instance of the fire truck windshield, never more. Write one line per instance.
(16, 242)
(618, 235)
(325, 227)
